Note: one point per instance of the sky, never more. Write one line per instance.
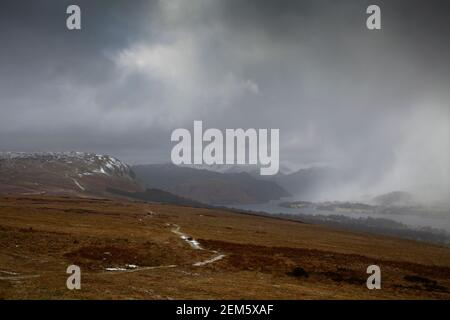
(371, 102)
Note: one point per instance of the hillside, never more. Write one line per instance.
(208, 186)
(156, 195)
(64, 173)
(131, 250)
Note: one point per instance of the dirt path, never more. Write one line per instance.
(196, 246)
(212, 260)
(137, 269)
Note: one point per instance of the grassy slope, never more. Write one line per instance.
(41, 236)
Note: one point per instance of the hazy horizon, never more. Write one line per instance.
(372, 103)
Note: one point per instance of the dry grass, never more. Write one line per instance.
(265, 258)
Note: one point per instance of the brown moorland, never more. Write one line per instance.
(162, 251)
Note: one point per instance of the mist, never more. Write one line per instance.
(372, 104)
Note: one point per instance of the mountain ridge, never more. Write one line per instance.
(57, 173)
(209, 186)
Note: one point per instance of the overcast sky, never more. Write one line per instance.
(375, 102)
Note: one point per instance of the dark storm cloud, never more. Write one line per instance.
(372, 102)
(50, 76)
(34, 36)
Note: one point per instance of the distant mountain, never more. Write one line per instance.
(395, 199)
(252, 169)
(306, 184)
(156, 195)
(209, 186)
(67, 173)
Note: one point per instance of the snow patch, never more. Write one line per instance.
(192, 242)
(115, 269)
(78, 185)
(9, 273)
(213, 259)
(101, 170)
(126, 268)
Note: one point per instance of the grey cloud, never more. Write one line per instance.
(374, 103)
